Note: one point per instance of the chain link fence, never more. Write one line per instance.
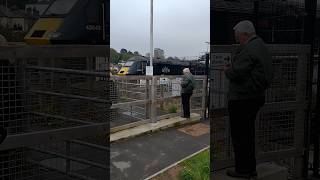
(55, 106)
(133, 101)
(280, 123)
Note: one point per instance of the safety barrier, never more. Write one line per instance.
(280, 123)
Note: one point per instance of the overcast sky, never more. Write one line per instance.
(181, 27)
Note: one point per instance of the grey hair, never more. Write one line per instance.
(186, 70)
(245, 27)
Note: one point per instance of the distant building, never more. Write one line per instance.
(16, 20)
(158, 53)
(37, 8)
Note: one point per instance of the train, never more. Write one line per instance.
(137, 66)
(72, 22)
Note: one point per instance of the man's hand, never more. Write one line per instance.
(226, 67)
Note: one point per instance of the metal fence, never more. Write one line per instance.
(280, 123)
(55, 106)
(135, 104)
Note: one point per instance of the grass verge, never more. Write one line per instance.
(194, 168)
(197, 167)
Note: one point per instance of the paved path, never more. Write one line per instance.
(143, 156)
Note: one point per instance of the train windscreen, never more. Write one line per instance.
(60, 7)
(128, 64)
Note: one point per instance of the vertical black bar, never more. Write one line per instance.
(3, 134)
(310, 8)
(206, 87)
(104, 6)
(317, 119)
(68, 153)
(256, 14)
(106, 27)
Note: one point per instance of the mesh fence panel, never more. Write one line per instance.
(56, 112)
(132, 96)
(280, 123)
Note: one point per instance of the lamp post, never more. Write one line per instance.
(151, 35)
(150, 69)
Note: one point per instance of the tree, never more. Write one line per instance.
(123, 51)
(114, 56)
(124, 55)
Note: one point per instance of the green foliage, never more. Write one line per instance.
(12, 36)
(114, 56)
(172, 108)
(124, 55)
(197, 167)
(185, 175)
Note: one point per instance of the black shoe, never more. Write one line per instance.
(233, 173)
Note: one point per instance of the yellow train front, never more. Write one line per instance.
(72, 22)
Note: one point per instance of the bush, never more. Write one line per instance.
(173, 108)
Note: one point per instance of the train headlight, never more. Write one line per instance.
(55, 35)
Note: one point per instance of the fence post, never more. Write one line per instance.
(153, 115)
(308, 38)
(147, 97)
(300, 112)
(68, 152)
(204, 94)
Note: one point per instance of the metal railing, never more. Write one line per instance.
(280, 123)
(55, 107)
(133, 103)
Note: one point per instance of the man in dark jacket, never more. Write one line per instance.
(187, 84)
(249, 75)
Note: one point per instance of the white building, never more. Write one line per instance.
(15, 20)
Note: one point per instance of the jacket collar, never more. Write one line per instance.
(240, 47)
(251, 39)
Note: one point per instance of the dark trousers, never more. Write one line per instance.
(242, 115)
(186, 104)
(3, 134)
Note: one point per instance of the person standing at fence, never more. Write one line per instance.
(249, 74)
(187, 85)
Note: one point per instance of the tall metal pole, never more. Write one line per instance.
(256, 15)
(153, 80)
(151, 35)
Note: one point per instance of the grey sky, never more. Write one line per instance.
(181, 27)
